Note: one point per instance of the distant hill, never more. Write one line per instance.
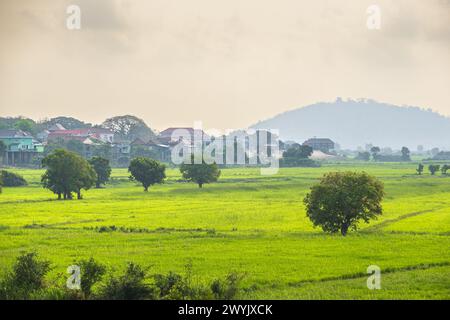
(357, 123)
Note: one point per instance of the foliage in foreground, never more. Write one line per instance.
(27, 280)
(341, 199)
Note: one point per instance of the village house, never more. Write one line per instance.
(160, 151)
(43, 135)
(21, 147)
(101, 134)
(167, 136)
(320, 144)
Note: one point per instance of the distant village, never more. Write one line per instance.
(24, 143)
(22, 148)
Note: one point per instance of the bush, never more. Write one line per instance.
(11, 179)
(26, 280)
(294, 162)
(129, 286)
(174, 286)
(90, 273)
(26, 277)
(228, 289)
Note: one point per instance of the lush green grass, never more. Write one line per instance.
(248, 223)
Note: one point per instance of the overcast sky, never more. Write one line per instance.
(228, 63)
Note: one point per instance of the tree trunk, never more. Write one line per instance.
(59, 195)
(79, 195)
(344, 230)
(146, 188)
(200, 185)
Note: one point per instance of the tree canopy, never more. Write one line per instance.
(67, 122)
(341, 199)
(129, 127)
(297, 156)
(67, 172)
(200, 173)
(406, 154)
(147, 171)
(102, 169)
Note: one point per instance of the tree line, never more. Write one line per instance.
(433, 168)
(68, 173)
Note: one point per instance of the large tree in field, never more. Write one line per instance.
(433, 168)
(341, 199)
(200, 173)
(147, 171)
(406, 154)
(102, 169)
(66, 173)
(375, 151)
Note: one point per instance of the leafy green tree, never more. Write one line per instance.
(147, 171)
(375, 151)
(86, 179)
(26, 125)
(341, 199)
(75, 146)
(419, 169)
(406, 154)
(103, 150)
(433, 168)
(102, 169)
(296, 155)
(129, 127)
(364, 156)
(200, 173)
(445, 168)
(67, 122)
(67, 172)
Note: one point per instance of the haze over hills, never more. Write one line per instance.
(356, 123)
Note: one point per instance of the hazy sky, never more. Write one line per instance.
(228, 63)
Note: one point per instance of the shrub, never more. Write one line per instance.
(26, 277)
(170, 285)
(90, 272)
(226, 289)
(11, 179)
(433, 168)
(129, 286)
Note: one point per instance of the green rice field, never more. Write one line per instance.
(247, 223)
